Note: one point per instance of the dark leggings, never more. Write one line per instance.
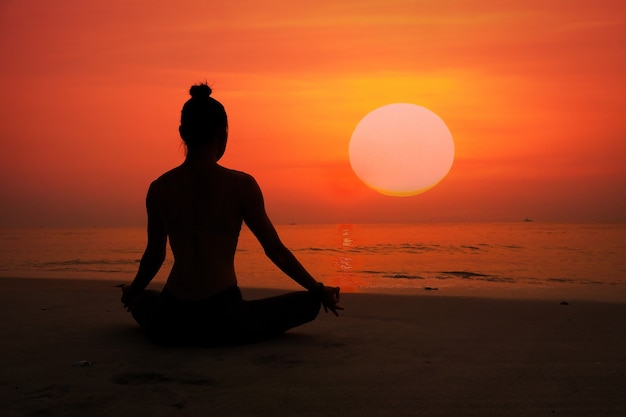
(223, 319)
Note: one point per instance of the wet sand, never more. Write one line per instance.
(69, 349)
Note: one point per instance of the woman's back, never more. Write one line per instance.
(200, 209)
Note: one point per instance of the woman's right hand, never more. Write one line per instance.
(127, 297)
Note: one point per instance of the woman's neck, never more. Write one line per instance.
(205, 156)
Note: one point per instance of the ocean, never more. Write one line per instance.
(360, 257)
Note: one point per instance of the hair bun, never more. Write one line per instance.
(200, 91)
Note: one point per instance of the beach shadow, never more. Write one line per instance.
(126, 333)
(133, 334)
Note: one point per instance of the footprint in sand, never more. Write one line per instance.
(156, 386)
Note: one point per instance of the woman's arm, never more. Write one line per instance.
(255, 216)
(154, 255)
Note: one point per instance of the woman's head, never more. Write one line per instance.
(203, 119)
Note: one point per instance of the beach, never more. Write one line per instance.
(69, 349)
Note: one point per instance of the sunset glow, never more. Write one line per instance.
(532, 91)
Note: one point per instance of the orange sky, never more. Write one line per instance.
(532, 91)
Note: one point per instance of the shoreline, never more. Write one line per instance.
(69, 348)
(608, 293)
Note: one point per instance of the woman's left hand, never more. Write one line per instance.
(330, 299)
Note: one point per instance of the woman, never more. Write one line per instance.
(200, 207)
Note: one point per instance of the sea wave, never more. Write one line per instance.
(365, 255)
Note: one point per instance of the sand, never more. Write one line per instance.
(69, 349)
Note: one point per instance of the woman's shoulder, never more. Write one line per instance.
(243, 184)
(239, 175)
(173, 173)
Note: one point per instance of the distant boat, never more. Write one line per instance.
(528, 219)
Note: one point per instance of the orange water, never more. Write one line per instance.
(510, 256)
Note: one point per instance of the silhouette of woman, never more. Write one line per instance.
(200, 207)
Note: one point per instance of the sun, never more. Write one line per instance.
(401, 149)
